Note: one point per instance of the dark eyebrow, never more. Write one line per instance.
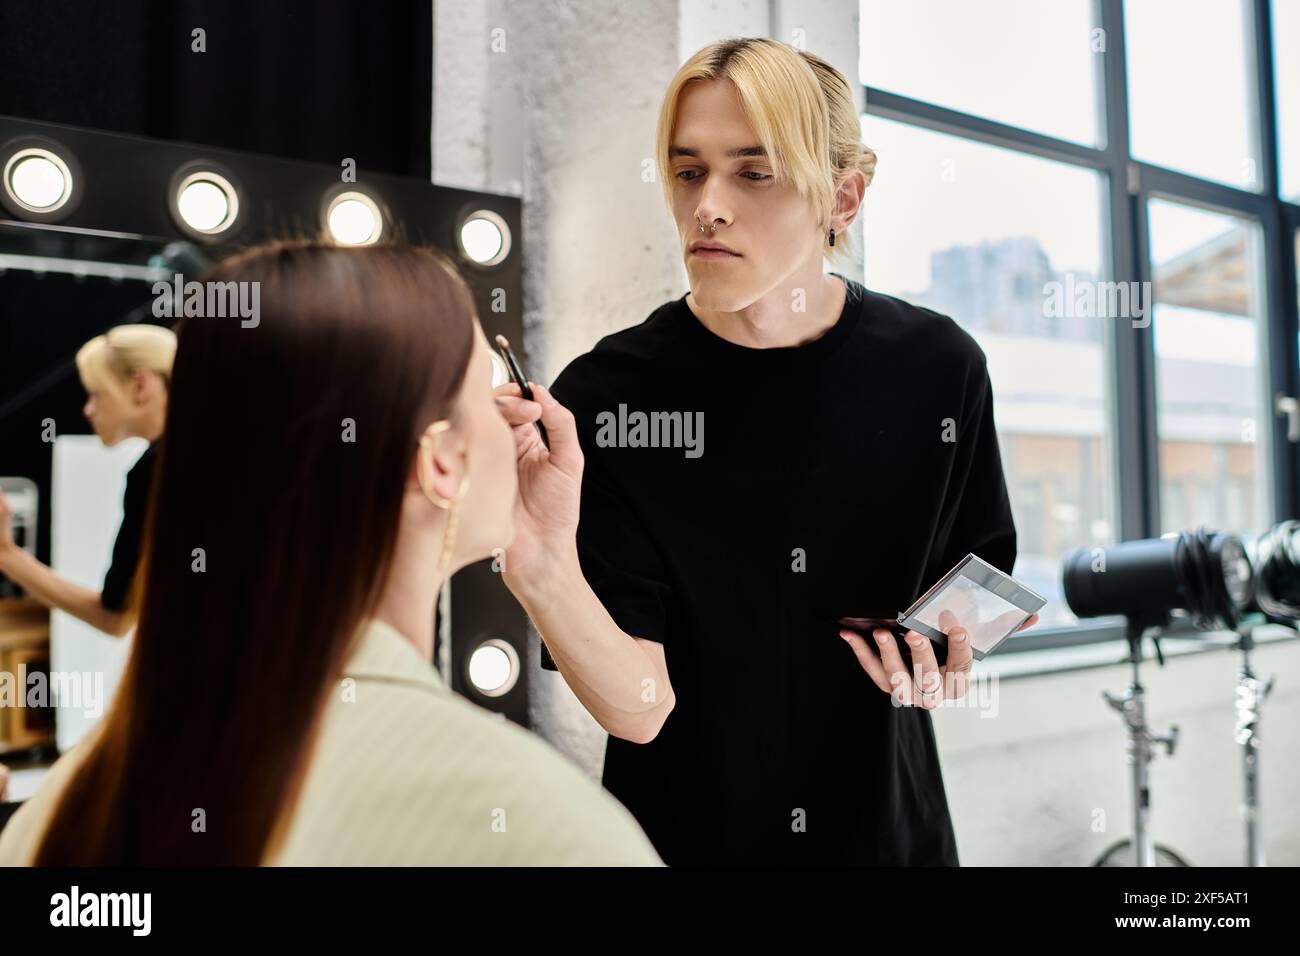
(731, 153)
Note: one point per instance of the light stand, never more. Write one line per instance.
(1252, 691)
(1141, 749)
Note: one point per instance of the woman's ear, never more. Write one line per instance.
(440, 463)
(139, 387)
(144, 385)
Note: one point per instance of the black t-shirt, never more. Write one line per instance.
(837, 478)
(126, 548)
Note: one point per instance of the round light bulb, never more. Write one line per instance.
(493, 667)
(485, 238)
(354, 220)
(40, 183)
(204, 205)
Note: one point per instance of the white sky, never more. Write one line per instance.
(933, 191)
(978, 56)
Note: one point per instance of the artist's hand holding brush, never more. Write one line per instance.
(550, 483)
(607, 668)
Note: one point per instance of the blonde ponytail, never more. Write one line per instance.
(107, 361)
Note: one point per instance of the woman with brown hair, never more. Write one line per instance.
(321, 475)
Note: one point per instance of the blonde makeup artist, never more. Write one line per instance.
(125, 373)
(742, 727)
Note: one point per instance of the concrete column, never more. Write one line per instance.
(562, 97)
(559, 100)
(477, 135)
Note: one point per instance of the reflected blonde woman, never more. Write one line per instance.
(125, 373)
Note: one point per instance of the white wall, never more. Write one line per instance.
(86, 510)
(1025, 786)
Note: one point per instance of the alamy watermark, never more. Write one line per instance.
(978, 691)
(222, 300)
(132, 911)
(626, 429)
(39, 689)
(1090, 299)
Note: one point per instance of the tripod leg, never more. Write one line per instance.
(1145, 854)
(1250, 808)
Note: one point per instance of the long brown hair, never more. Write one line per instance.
(269, 539)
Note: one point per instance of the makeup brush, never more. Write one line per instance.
(517, 373)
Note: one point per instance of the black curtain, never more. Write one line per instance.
(318, 81)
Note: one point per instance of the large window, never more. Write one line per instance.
(1190, 99)
(1131, 148)
(989, 250)
(1209, 384)
(974, 57)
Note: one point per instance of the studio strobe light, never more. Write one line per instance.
(1275, 556)
(1208, 576)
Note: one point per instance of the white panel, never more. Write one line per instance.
(85, 512)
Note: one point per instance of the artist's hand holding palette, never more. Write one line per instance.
(988, 603)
